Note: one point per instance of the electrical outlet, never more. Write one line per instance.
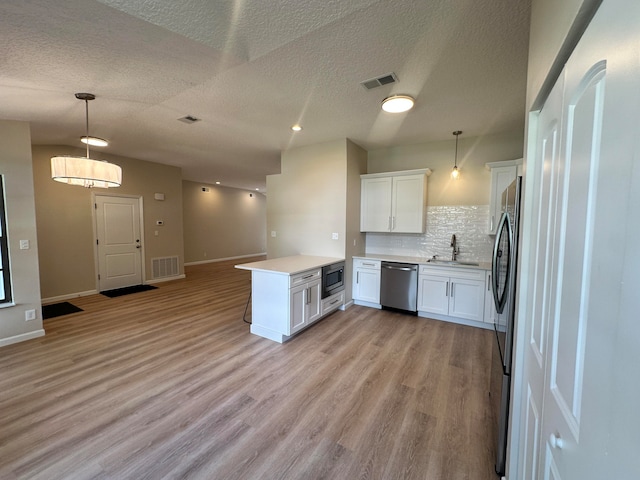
(29, 315)
(273, 233)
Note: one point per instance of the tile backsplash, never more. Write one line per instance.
(468, 222)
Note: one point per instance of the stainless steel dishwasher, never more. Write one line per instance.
(399, 286)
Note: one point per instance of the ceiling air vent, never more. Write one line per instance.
(189, 119)
(380, 81)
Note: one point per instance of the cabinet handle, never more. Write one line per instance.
(308, 295)
(489, 284)
(308, 276)
(451, 289)
(492, 219)
(335, 301)
(369, 264)
(393, 223)
(357, 277)
(447, 292)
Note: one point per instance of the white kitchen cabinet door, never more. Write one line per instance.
(433, 292)
(304, 305)
(375, 212)
(297, 299)
(314, 310)
(367, 285)
(408, 204)
(466, 299)
(394, 201)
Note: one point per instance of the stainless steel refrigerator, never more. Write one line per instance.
(503, 284)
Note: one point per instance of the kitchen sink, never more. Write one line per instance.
(452, 262)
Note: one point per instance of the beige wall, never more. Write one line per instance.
(550, 23)
(65, 221)
(472, 188)
(355, 240)
(222, 223)
(306, 202)
(15, 166)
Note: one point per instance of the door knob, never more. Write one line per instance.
(556, 441)
(137, 246)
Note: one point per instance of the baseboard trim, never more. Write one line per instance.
(226, 258)
(46, 301)
(23, 337)
(165, 279)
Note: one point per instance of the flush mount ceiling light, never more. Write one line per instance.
(455, 173)
(83, 170)
(95, 141)
(398, 103)
(296, 127)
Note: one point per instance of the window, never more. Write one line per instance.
(5, 274)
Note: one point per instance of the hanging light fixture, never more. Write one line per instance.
(83, 170)
(455, 173)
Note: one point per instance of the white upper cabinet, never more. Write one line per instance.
(394, 201)
(502, 174)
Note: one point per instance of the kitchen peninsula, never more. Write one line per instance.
(286, 295)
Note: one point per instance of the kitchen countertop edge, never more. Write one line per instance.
(419, 261)
(291, 265)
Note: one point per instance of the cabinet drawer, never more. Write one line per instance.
(362, 263)
(304, 277)
(331, 303)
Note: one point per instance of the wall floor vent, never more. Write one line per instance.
(164, 267)
(380, 81)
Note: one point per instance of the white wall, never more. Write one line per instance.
(15, 165)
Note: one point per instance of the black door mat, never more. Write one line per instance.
(118, 292)
(59, 309)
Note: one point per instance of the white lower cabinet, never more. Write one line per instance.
(366, 282)
(304, 306)
(453, 292)
(282, 305)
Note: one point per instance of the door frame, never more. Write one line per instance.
(94, 219)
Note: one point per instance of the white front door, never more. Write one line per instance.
(579, 184)
(119, 244)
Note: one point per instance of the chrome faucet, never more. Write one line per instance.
(454, 246)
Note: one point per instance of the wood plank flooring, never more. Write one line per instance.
(170, 384)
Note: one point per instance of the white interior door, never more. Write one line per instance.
(579, 183)
(119, 244)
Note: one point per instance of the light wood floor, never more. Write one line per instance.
(169, 383)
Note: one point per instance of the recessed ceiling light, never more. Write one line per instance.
(257, 189)
(217, 183)
(397, 103)
(94, 141)
(296, 127)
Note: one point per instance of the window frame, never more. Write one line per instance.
(5, 265)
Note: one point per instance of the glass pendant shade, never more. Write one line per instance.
(85, 172)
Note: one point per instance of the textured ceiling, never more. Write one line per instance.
(249, 69)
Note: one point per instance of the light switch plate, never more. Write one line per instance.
(29, 315)
(334, 236)
(273, 233)
(24, 244)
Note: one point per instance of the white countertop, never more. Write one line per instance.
(290, 265)
(419, 260)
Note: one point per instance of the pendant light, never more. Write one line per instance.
(83, 170)
(455, 173)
